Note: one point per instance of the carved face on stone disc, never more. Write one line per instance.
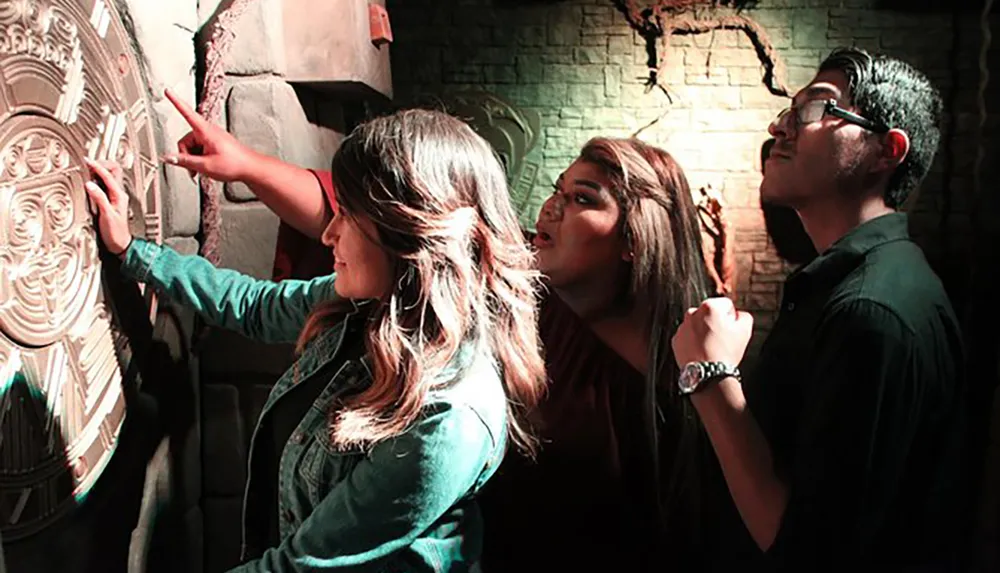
(70, 89)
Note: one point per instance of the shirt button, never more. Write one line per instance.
(790, 306)
(298, 437)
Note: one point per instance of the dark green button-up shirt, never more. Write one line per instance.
(857, 390)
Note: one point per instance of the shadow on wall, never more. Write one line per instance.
(94, 531)
(784, 226)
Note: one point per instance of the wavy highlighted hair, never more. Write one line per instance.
(463, 273)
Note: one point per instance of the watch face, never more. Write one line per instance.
(691, 376)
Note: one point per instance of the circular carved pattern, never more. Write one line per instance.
(49, 254)
(69, 90)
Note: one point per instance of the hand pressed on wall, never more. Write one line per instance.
(112, 206)
(208, 149)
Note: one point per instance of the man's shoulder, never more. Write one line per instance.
(894, 282)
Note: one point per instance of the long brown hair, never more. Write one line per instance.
(669, 274)
(463, 274)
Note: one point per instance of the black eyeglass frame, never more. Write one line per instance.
(830, 107)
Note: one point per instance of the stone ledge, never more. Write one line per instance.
(328, 47)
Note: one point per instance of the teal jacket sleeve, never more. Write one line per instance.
(259, 309)
(390, 499)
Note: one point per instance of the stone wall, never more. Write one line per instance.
(583, 68)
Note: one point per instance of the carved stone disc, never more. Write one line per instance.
(70, 88)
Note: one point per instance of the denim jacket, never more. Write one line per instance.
(404, 505)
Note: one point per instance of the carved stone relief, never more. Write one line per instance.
(513, 132)
(70, 89)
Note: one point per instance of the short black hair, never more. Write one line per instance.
(890, 91)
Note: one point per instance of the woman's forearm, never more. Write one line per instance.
(292, 192)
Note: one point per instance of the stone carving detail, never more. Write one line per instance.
(513, 133)
(69, 89)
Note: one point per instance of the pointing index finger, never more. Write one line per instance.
(189, 114)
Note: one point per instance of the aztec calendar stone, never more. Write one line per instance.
(70, 88)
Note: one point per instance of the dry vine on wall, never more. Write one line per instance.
(656, 23)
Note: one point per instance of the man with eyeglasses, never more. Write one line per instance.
(843, 450)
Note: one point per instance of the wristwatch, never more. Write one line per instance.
(697, 375)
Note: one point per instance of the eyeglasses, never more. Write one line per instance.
(814, 110)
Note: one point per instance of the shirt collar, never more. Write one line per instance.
(844, 255)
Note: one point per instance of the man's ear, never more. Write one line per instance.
(895, 147)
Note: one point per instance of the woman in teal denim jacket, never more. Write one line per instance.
(417, 358)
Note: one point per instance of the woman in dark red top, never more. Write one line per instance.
(615, 486)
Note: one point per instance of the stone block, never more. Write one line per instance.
(223, 516)
(269, 116)
(494, 74)
(189, 456)
(225, 454)
(248, 237)
(222, 352)
(612, 81)
(586, 94)
(531, 35)
(180, 195)
(207, 10)
(809, 34)
(165, 30)
(328, 45)
(258, 46)
(183, 245)
(194, 526)
(529, 70)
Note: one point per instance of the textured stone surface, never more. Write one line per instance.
(222, 532)
(183, 245)
(270, 116)
(329, 44)
(166, 31)
(181, 196)
(258, 46)
(225, 460)
(249, 234)
(580, 64)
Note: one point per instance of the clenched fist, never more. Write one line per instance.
(714, 331)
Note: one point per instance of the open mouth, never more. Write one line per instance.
(542, 240)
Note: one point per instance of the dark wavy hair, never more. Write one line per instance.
(894, 93)
(438, 198)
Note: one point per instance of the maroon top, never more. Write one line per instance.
(582, 504)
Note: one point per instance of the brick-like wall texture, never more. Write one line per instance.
(583, 68)
(580, 65)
